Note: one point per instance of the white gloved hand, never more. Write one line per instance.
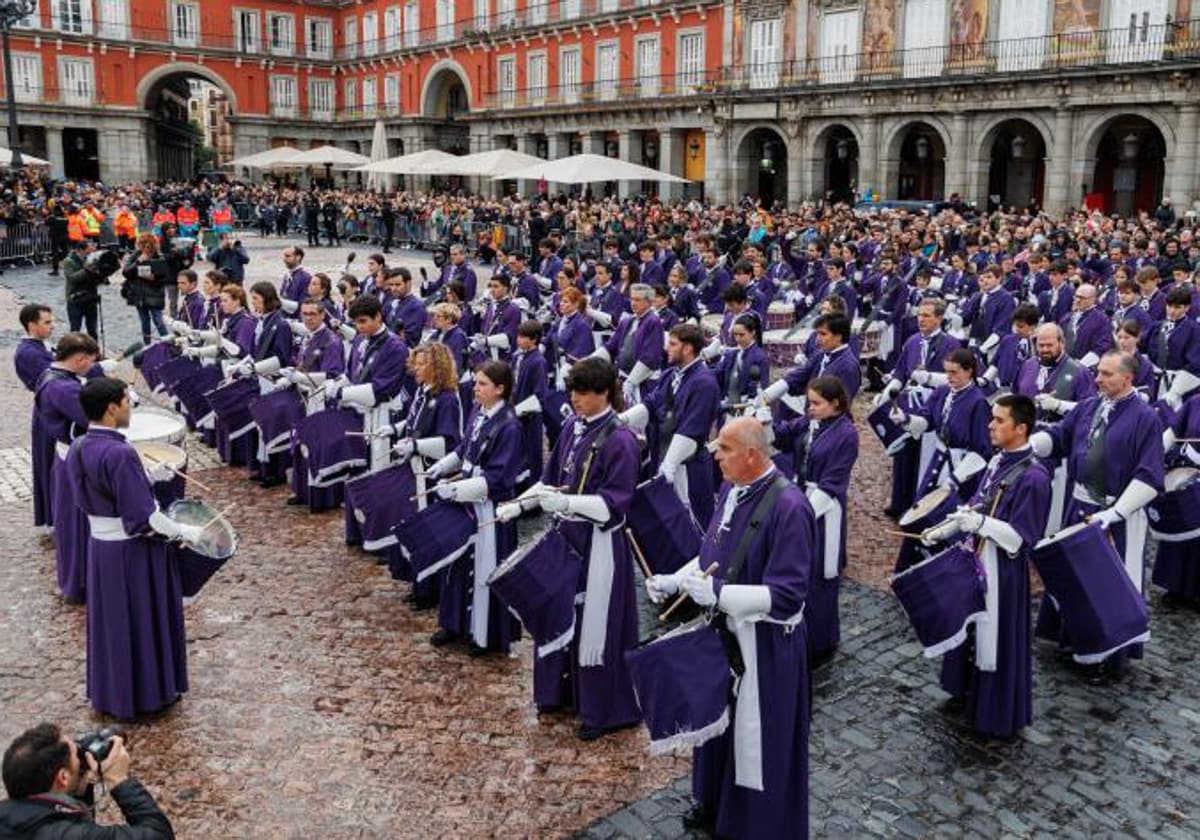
(763, 415)
(287, 373)
(1105, 518)
(799, 359)
(190, 534)
(160, 472)
(897, 415)
(1047, 402)
(629, 391)
(509, 511)
(404, 448)
(661, 587)
(447, 491)
(668, 468)
(919, 377)
(1173, 400)
(552, 501)
(967, 520)
(699, 588)
(191, 353)
(879, 399)
(108, 366)
(478, 342)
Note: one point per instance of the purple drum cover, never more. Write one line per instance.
(942, 595)
(682, 682)
(434, 538)
(231, 402)
(276, 414)
(889, 432)
(174, 371)
(328, 448)
(1102, 610)
(538, 584)
(382, 500)
(192, 390)
(663, 526)
(195, 569)
(153, 358)
(1175, 516)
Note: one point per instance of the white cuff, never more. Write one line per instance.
(529, 405)
(969, 466)
(431, 447)
(821, 501)
(530, 494)
(363, 395)
(1090, 360)
(1182, 382)
(164, 524)
(602, 353)
(348, 332)
(499, 340)
(937, 380)
(209, 352)
(1136, 496)
(471, 489)
(916, 425)
(894, 387)
(177, 327)
(680, 449)
(742, 601)
(776, 390)
(590, 507)
(231, 347)
(712, 350)
(1001, 533)
(991, 374)
(639, 374)
(289, 306)
(636, 418)
(267, 367)
(447, 465)
(990, 342)
(298, 328)
(1168, 439)
(209, 336)
(1065, 406)
(1042, 444)
(601, 317)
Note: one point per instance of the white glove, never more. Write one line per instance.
(799, 359)
(1048, 402)
(108, 366)
(879, 399)
(1173, 400)
(668, 469)
(699, 588)
(967, 520)
(763, 415)
(1105, 518)
(630, 392)
(242, 368)
(509, 511)
(404, 448)
(661, 587)
(478, 342)
(160, 472)
(192, 353)
(553, 501)
(288, 373)
(446, 491)
(190, 533)
(919, 377)
(445, 466)
(1191, 453)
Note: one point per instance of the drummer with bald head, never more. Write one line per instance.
(136, 652)
(752, 780)
(1113, 447)
(1086, 331)
(992, 679)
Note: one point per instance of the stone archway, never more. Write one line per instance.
(177, 96)
(445, 99)
(834, 155)
(1012, 154)
(761, 166)
(917, 162)
(1128, 154)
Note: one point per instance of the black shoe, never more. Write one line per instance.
(699, 818)
(1172, 601)
(442, 638)
(292, 501)
(268, 483)
(423, 604)
(476, 651)
(592, 733)
(955, 706)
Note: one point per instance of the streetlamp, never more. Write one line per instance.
(11, 12)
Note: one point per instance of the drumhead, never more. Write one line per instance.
(926, 505)
(1177, 478)
(219, 540)
(780, 307)
(154, 452)
(777, 337)
(150, 423)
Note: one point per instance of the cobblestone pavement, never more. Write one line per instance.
(318, 708)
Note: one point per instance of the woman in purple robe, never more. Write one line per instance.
(990, 676)
(597, 460)
(58, 413)
(448, 331)
(743, 370)
(571, 336)
(490, 457)
(272, 353)
(1129, 335)
(237, 343)
(824, 446)
(530, 390)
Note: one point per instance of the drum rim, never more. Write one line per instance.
(906, 519)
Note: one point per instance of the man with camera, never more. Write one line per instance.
(230, 256)
(83, 287)
(50, 778)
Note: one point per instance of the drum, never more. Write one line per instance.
(931, 509)
(664, 527)
(329, 450)
(711, 323)
(942, 596)
(154, 453)
(872, 337)
(682, 681)
(171, 373)
(151, 423)
(437, 536)
(890, 433)
(1084, 577)
(538, 584)
(781, 315)
(276, 414)
(1175, 514)
(198, 563)
(781, 347)
(153, 358)
(231, 403)
(382, 500)
(192, 392)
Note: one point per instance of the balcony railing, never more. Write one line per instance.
(1154, 45)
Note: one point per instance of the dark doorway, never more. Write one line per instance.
(81, 154)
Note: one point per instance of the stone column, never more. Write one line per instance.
(559, 145)
(1181, 168)
(956, 173)
(527, 143)
(54, 151)
(671, 160)
(868, 156)
(593, 142)
(1058, 172)
(717, 166)
(798, 162)
(625, 144)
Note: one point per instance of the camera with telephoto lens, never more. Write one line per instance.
(100, 743)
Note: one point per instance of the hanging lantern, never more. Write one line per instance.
(843, 149)
(1018, 147)
(922, 148)
(1130, 146)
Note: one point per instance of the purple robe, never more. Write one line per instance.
(450, 272)
(1011, 353)
(572, 339)
(294, 286)
(529, 371)
(1132, 313)
(1177, 563)
(1155, 305)
(405, 316)
(32, 357)
(964, 429)
(136, 648)
(651, 273)
(459, 345)
(190, 309)
(61, 419)
(646, 345)
(779, 558)
(842, 363)
(687, 402)
(1056, 304)
(381, 360)
(685, 302)
(1175, 345)
(989, 314)
(492, 450)
(1087, 332)
(741, 374)
(712, 286)
(602, 694)
(1080, 388)
(609, 300)
(501, 316)
(824, 461)
(321, 352)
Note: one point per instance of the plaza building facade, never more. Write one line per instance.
(1048, 102)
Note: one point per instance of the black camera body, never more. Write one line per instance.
(99, 744)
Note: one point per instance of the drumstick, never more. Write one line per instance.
(683, 596)
(490, 522)
(1187, 440)
(637, 550)
(177, 472)
(906, 534)
(368, 434)
(220, 515)
(430, 491)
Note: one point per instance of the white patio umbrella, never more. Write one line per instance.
(406, 164)
(483, 164)
(590, 169)
(331, 157)
(26, 159)
(266, 158)
(379, 153)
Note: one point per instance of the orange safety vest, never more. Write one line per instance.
(222, 216)
(75, 227)
(91, 221)
(126, 224)
(161, 219)
(188, 217)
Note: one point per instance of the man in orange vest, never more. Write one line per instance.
(75, 227)
(92, 219)
(125, 226)
(189, 220)
(162, 217)
(222, 218)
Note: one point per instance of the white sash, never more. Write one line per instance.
(987, 626)
(485, 564)
(596, 599)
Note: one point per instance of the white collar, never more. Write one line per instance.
(595, 417)
(770, 469)
(489, 413)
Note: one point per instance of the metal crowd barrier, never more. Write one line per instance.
(24, 244)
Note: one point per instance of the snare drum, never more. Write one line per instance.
(931, 509)
(1175, 514)
(890, 433)
(781, 347)
(1086, 581)
(781, 315)
(159, 425)
(198, 563)
(711, 323)
(538, 584)
(682, 682)
(942, 596)
(437, 536)
(154, 453)
(872, 338)
(664, 527)
(381, 500)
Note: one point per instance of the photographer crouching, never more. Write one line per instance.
(51, 781)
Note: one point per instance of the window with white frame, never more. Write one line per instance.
(1137, 29)
(506, 78)
(570, 61)
(610, 5)
(444, 10)
(350, 37)
(535, 79)
(77, 81)
(73, 16)
(370, 33)
(608, 71)
(370, 101)
(924, 38)
(283, 96)
(319, 41)
(412, 23)
(281, 33)
(114, 18)
(27, 76)
(506, 12)
(569, 9)
(536, 12)
(838, 47)
(483, 12)
(689, 61)
(391, 92)
(246, 30)
(33, 20)
(185, 23)
(391, 28)
(646, 65)
(321, 98)
(766, 46)
(1021, 34)
(350, 94)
